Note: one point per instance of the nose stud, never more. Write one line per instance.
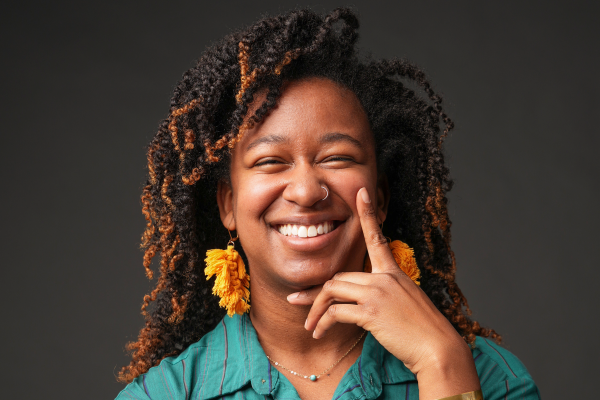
(326, 192)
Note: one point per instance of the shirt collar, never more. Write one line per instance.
(376, 367)
(263, 376)
(243, 361)
(234, 359)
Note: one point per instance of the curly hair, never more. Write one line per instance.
(190, 154)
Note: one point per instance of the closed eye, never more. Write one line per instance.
(267, 162)
(337, 158)
(270, 165)
(338, 161)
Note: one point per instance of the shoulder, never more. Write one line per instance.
(177, 376)
(501, 374)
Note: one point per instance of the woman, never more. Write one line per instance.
(282, 137)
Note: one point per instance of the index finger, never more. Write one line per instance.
(380, 254)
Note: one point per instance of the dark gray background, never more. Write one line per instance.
(84, 86)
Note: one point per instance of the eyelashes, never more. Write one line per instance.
(268, 162)
(273, 161)
(338, 158)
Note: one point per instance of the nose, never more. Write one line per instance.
(304, 186)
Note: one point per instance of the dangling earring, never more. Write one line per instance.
(232, 283)
(405, 258)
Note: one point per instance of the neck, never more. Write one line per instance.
(275, 318)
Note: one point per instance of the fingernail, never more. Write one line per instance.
(293, 296)
(365, 195)
(314, 334)
(305, 322)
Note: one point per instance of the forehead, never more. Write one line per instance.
(310, 108)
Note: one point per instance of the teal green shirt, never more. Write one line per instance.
(229, 363)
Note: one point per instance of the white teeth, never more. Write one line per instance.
(320, 229)
(305, 231)
(302, 231)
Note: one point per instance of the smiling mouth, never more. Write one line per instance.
(307, 231)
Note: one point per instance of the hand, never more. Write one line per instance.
(393, 308)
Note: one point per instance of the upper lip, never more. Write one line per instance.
(306, 220)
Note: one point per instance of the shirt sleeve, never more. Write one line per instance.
(133, 391)
(512, 388)
(501, 374)
(164, 381)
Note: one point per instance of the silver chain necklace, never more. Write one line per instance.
(315, 377)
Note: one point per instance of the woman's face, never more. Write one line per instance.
(318, 135)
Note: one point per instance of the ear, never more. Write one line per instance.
(225, 202)
(383, 197)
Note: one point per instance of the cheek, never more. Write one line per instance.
(347, 185)
(253, 197)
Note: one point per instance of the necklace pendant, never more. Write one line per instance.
(313, 378)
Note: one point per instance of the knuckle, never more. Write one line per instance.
(377, 293)
(329, 285)
(332, 311)
(369, 212)
(370, 312)
(377, 238)
(388, 279)
(338, 276)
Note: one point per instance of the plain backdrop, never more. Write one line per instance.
(84, 85)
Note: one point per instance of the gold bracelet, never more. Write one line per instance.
(476, 395)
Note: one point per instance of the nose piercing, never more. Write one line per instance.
(326, 192)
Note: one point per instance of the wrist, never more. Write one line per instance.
(443, 358)
(447, 373)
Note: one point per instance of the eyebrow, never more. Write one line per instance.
(326, 139)
(271, 139)
(340, 137)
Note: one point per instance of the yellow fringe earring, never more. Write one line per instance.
(232, 283)
(405, 258)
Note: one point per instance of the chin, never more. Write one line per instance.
(306, 274)
(290, 271)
